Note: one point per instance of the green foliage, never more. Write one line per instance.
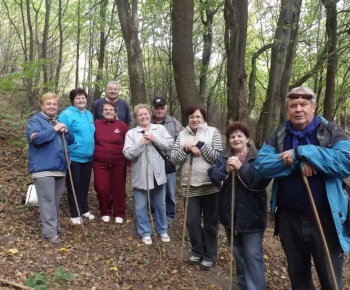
(62, 276)
(37, 281)
(40, 281)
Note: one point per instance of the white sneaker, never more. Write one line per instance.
(147, 240)
(106, 218)
(76, 221)
(89, 215)
(165, 238)
(119, 220)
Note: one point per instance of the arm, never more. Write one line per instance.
(37, 134)
(250, 178)
(210, 153)
(94, 110)
(132, 148)
(217, 172)
(177, 127)
(69, 136)
(128, 115)
(178, 154)
(164, 141)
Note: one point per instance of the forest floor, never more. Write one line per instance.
(112, 255)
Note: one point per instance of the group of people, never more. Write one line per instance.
(304, 145)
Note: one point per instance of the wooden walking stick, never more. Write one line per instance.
(232, 227)
(186, 206)
(72, 184)
(324, 242)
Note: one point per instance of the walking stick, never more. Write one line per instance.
(72, 184)
(186, 205)
(232, 227)
(321, 232)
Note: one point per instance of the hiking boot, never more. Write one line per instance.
(165, 238)
(147, 240)
(106, 218)
(88, 215)
(55, 240)
(193, 260)
(119, 220)
(206, 266)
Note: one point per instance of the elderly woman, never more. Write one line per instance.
(148, 171)
(204, 143)
(250, 205)
(47, 163)
(110, 164)
(79, 121)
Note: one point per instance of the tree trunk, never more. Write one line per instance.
(44, 40)
(129, 24)
(78, 47)
(182, 55)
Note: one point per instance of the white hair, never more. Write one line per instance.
(306, 90)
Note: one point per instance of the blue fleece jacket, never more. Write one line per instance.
(46, 151)
(81, 124)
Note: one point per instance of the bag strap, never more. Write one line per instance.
(159, 151)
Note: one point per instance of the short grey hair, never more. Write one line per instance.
(114, 83)
(306, 90)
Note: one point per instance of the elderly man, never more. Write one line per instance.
(112, 95)
(173, 127)
(311, 146)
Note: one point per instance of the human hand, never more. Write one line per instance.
(190, 145)
(149, 136)
(308, 169)
(234, 162)
(195, 151)
(144, 141)
(60, 127)
(287, 158)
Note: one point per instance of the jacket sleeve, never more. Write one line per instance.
(69, 137)
(177, 128)
(178, 154)
(43, 134)
(217, 172)
(132, 149)
(210, 153)
(251, 179)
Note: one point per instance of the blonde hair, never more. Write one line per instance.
(141, 106)
(48, 96)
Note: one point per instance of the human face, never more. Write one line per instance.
(195, 119)
(238, 141)
(159, 112)
(50, 107)
(108, 112)
(80, 102)
(143, 118)
(300, 112)
(112, 92)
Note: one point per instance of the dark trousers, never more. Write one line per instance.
(204, 239)
(81, 175)
(301, 240)
(109, 178)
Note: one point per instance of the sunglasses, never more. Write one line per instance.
(298, 96)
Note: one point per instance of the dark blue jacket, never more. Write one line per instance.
(46, 151)
(250, 193)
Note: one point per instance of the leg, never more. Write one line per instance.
(170, 196)
(298, 254)
(158, 202)
(254, 268)
(102, 183)
(194, 225)
(75, 168)
(239, 257)
(118, 179)
(142, 221)
(210, 226)
(59, 188)
(85, 176)
(45, 188)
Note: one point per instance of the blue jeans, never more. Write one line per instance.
(301, 240)
(143, 224)
(247, 249)
(170, 196)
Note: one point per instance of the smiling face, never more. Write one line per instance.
(143, 117)
(108, 112)
(238, 141)
(80, 102)
(159, 112)
(112, 92)
(195, 119)
(300, 112)
(50, 107)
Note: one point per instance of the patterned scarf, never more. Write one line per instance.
(299, 135)
(242, 155)
(52, 120)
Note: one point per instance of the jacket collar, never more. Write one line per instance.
(201, 128)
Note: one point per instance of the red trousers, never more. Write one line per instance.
(110, 179)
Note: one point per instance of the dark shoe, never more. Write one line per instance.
(239, 287)
(61, 231)
(206, 266)
(193, 260)
(55, 240)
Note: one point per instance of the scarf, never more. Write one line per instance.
(52, 120)
(299, 135)
(242, 155)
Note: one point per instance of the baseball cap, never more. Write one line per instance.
(159, 101)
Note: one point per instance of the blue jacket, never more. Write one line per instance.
(83, 128)
(331, 158)
(46, 151)
(250, 193)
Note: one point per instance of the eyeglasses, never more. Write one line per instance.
(195, 117)
(298, 96)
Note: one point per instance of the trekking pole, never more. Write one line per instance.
(318, 222)
(186, 206)
(232, 227)
(72, 184)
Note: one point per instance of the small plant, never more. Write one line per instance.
(38, 282)
(62, 276)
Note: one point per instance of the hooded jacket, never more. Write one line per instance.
(81, 124)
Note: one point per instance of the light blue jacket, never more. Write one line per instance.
(81, 124)
(331, 158)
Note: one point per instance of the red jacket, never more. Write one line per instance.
(109, 141)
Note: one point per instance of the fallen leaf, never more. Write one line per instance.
(13, 251)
